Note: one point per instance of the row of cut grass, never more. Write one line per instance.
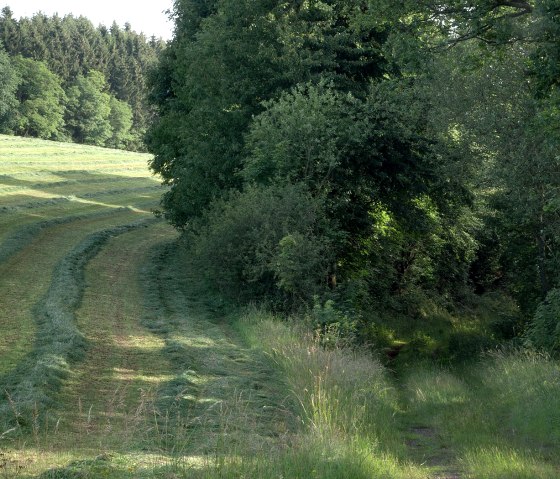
(31, 387)
(222, 393)
(26, 233)
(28, 260)
(107, 404)
(64, 209)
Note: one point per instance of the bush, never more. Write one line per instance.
(335, 328)
(467, 345)
(267, 242)
(544, 331)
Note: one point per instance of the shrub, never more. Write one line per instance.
(335, 328)
(467, 345)
(544, 331)
(267, 242)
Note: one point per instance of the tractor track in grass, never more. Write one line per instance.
(32, 385)
(108, 399)
(24, 235)
(111, 195)
(25, 275)
(426, 445)
(223, 397)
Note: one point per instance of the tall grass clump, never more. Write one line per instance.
(32, 385)
(344, 401)
(525, 391)
(503, 462)
(500, 416)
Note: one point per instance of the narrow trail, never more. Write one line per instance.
(424, 442)
(428, 448)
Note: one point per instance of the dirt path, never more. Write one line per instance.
(428, 448)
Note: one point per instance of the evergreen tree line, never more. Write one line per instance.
(65, 79)
(366, 156)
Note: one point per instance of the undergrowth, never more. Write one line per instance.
(496, 418)
(499, 415)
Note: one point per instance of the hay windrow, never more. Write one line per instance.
(28, 389)
(20, 238)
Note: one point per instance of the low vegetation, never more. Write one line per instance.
(120, 365)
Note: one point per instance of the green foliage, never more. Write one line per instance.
(72, 46)
(334, 327)
(264, 95)
(373, 161)
(89, 108)
(357, 151)
(120, 119)
(468, 345)
(227, 58)
(41, 101)
(304, 136)
(9, 80)
(544, 330)
(271, 244)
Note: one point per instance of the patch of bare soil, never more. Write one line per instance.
(426, 445)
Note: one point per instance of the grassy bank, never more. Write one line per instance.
(344, 414)
(496, 418)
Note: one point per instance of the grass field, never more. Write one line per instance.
(110, 367)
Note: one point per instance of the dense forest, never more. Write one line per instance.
(361, 160)
(65, 79)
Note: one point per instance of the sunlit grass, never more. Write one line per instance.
(496, 462)
(347, 408)
(33, 268)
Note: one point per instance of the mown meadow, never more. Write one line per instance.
(114, 364)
